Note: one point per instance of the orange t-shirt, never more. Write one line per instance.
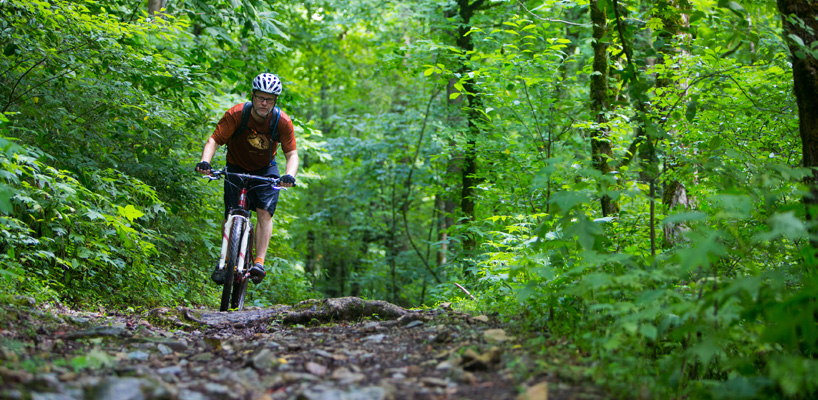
(250, 149)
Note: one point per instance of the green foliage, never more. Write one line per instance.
(106, 109)
(693, 319)
(285, 284)
(95, 359)
(99, 203)
(63, 240)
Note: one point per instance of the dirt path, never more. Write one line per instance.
(194, 354)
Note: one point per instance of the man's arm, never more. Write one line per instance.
(292, 165)
(209, 150)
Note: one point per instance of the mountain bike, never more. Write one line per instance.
(237, 241)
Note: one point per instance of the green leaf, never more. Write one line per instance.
(94, 215)
(79, 363)
(84, 253)
(568, 199)
(596, 280)
(684, 217)
(797, 39)
(6, 193)
(530, 289)
(586, 232)
(472, 30)
(697, 15)
(130, 212)
(731, 5)
(785, 225)
(98, 359)
(649, 331)
(690, 113)
(10, 49)
(656, 131)
(699, 255)
(655, 23)
(706, 350)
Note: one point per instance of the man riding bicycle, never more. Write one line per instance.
(252, 143)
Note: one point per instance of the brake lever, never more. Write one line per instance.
(212, 177)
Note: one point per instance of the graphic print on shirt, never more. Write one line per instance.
(257, 140)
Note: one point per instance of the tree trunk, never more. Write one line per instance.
(392, 251)
(799, 21)
(674, 192)
(442, 227)
(154, 6)
(601, 151)
(453, 168)
(469, 171)
(674, 196)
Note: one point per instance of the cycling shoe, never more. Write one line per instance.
(218, 276)
(256, 273)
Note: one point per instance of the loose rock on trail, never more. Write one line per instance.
(344, 348)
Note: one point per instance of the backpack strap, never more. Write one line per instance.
(274, 133)
(245, 117)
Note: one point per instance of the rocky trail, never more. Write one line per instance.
(344, 348)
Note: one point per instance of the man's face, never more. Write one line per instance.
(263, 103)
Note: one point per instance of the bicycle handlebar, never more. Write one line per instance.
(216, 174)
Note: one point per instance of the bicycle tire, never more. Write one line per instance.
(240, 288)
(232, 260)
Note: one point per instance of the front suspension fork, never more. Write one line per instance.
(228, 226)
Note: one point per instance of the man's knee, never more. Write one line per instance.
(263, 215)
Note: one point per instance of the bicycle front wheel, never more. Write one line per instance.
(232, 262)
(240, 288)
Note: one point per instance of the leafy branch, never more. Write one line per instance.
(550, 19)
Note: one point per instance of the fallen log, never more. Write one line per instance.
(349, 309)
(340, 309)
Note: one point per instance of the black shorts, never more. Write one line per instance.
(260, 194)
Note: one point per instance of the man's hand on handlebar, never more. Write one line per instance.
(204, 168)
(215, 174)
(287, 181)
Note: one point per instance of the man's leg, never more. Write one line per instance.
(264, 231)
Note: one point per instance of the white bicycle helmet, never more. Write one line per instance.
(267, 83)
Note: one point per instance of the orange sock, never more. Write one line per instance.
(259, 260)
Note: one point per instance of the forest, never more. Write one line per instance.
(630, 185)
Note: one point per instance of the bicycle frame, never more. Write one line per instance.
(237, 273)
